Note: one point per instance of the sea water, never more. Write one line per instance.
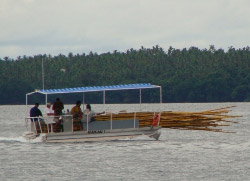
(178, 155)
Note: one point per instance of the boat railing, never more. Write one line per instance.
(44, 124)
(47, 124)
(111, 120)
(135, 115)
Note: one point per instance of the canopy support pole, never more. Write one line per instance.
(46, 99)
(26, 99)
(140, 99)
(160, 99)
(43, 73)
(83, 101)
(111, 121)
(87, 123)
(27, 102)
(104, 99)
(160, 94)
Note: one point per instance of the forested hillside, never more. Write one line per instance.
(187, 75)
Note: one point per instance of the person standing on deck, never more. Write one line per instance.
(58, 107)
(76, 111)
(49, 111)
(35, 112)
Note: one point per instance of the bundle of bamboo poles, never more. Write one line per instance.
(205, 120)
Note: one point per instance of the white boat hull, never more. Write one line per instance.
(102, 135)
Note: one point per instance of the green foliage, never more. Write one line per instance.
(187, 75)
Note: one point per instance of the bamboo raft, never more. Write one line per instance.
(208, 120)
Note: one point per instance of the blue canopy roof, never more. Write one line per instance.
(97, 88)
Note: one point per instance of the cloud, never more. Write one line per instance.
(30, 27)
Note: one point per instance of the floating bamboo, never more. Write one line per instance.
(208, 120)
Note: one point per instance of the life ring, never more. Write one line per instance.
(156, 119)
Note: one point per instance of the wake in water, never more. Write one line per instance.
(39, 139)
(20, 139)
(138, 138)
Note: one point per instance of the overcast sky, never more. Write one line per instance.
(32, 27)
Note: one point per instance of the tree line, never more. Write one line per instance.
(186, 75)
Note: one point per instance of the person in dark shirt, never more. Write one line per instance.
(58, 107)
(35, 112)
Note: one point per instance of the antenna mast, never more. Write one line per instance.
(43, 73)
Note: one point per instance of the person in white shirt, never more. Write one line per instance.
(49, 111)
(88, 114)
